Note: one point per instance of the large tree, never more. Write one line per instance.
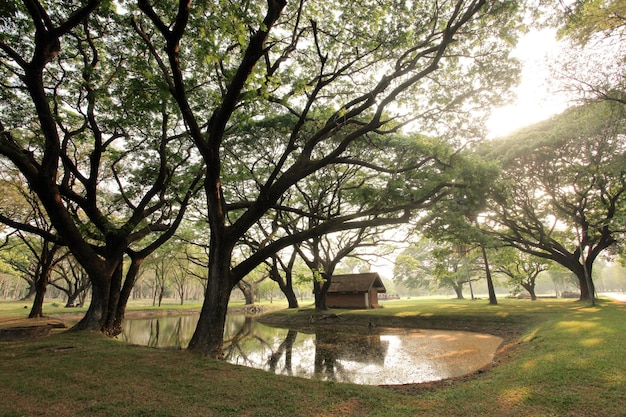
(94, 140)
(158, 76)
(341, 74)
(562, 194)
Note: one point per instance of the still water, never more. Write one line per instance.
(362, 356)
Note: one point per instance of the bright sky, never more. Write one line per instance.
(534, 100)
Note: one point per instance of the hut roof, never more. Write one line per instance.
(356, 283)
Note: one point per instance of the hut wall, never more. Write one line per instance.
(338, 300)
(373, 301)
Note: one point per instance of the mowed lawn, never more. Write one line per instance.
(560, 358)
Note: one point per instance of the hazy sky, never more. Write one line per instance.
(535, 101)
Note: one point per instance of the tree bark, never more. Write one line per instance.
(248, 292)
(292, 299)
(285, 285)
(531, 290)
(319, 291)
(587, 287)
(492, 293)
(458, 289)
(41, 285)
(209, 334)
(105, 297)
(129, 284)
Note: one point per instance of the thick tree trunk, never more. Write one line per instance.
(291, 297)
(458, 289)
(115, 289)
(41, 285)
(319, 291)
(248, 292)
(105, 296)
(531, 290)
(583, 274)
(209, 335)
(587, 287)
(97, 311)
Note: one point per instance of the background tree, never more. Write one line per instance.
(70, 278)
(281, 269)
(34, 258)
(454, 219)
(561, 196)
(32, 248)
(431, 265)
(455, 266)
(414, 266)
(520, 268)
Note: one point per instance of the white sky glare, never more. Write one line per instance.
(534, 102)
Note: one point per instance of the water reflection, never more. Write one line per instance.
(362, 356)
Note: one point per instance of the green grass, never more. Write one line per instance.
(564, 359)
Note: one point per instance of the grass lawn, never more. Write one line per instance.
(560, 358)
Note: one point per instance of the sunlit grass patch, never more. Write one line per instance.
(529, 364)
(458, 306)
(576, 326)
(592, 341)
(514, 396)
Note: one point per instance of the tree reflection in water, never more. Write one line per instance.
(363, 356)
(286, 348)
(332, 347)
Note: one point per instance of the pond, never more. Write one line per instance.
(377, 356)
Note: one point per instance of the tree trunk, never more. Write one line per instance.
(161, 292)
(285, 285)
(291, 297)
(105, 296)
(97, 311)
(248, 292)
(587, 288)
(115, 289)
(41, 285)
(71, 299)
(531, 290)
(32, 291)
(492, 293)
(209, 334)
(458, 289)
(129, 284)
(319, 291)
(583, 274)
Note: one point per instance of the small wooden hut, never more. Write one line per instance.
(355, 291)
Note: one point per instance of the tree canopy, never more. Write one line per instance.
(562, 192)
(133, 99)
